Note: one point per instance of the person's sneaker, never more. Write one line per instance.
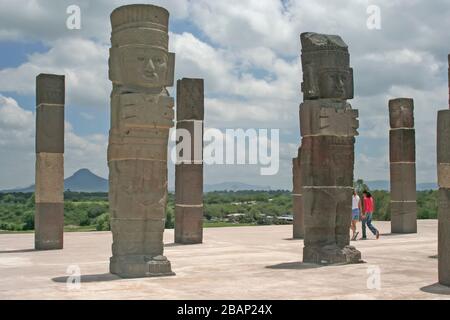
(363, 238)
(378, 235)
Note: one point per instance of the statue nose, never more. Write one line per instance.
(150, 66)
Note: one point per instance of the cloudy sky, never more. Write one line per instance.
(248, 54)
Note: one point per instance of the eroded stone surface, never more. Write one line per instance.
(401, 113)
(189, 168)
(190, 141)
(402, 155)
(402, 145)
(49, 226)
(50, 128)
(327, 161)
(403, 181)
(444, 236)
(189, 227)
(49, 178)
(328, 128)
(50, 89)
(297, 201)
(326, 67)
(443, 162)
(328, 117)
(49, 174)
(403, 216)
(189, 184)
(141, 115)
(443, 134)
(190, 99)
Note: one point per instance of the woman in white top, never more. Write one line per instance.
(356, 209)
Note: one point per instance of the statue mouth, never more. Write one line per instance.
(150, 75)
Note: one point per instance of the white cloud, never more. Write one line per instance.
(84, 62)
(17, 138)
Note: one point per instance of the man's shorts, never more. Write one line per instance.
(355, 214)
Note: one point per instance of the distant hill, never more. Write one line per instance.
(385, 185)
(85, 181)
(233, 186)
(81, 181)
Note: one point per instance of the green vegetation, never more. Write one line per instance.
(90, 211)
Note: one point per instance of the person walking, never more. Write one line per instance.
(356, 210)
(366, 217)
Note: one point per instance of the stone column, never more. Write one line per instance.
(443, 168)
(140, 68)
(402, 154)
(297, 201)
(49, 180)
(189, 167)
(449, 80)
(328, 128)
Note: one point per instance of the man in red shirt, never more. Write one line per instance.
(366, 217)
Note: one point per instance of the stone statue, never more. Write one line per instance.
(140, 68)
(402, 154)
(328, 127)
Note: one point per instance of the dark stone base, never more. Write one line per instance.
(298, 233)
(405, 223)
(140, 267)
(188, 225)
(444, 236)
(48, 244)
(299, 223)
(49, 226)
(331, 255)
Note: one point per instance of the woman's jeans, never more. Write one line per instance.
(368, 221)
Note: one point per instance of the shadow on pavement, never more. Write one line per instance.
(295, 266)
(436, 289)
(393, 234)
(18, 251)
(173, 244)
(90, 278)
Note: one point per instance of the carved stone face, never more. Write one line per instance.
(144, 66)
(335, 84)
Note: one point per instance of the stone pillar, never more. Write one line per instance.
(328, 128)
(189, 167)
(297, 201)
(402, 154)
(49, 180)
(443, 168)
(449, 80)
(140, 68)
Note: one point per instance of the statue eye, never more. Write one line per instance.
(141, 59)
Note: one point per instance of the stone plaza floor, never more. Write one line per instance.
(233, 263)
